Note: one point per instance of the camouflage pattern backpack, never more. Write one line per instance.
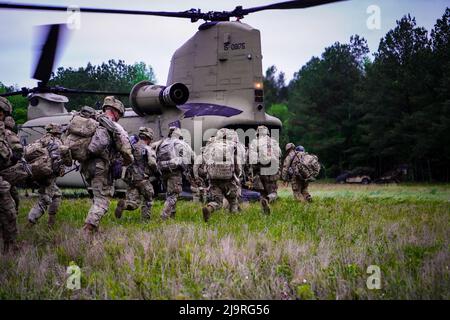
(79, 134)
(220, 159)
(5, 150)
(100, 143)
(167, 157)
(38, 157)
(306, 166)
(264, 151)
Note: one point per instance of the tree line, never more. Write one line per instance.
(356, 112)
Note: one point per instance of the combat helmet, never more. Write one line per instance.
(289, 146)
(87, 112)
(10, 123)
(175, 132)
(5, 106)
(112, 102)
(262, 131)
(53, 128)
(146, 132)
(300, 148)
(221, 134)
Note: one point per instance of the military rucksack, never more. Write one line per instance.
(38, 157)
(306, 165)
(100, 143)
(167, 157)
(220, 162)
(79, 135)
(264, 152)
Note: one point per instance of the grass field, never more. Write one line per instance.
(301, 251)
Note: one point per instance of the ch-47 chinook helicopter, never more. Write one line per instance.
(214, 81)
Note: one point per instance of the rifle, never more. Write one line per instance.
(26, 166)
(77, 168)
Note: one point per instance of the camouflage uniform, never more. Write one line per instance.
(10, 125)
(49, 193)
(98, 170)
(173, 177)
(200, 187)
(220, 188)
(265, 174)
(139, 176)
(299, 186)
(8, 212)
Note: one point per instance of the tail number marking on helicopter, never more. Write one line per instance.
(234, 46)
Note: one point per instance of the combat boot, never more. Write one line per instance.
(30, 224)
(145, 213)
(51, 220)
(89, 229)
(265, 206)
(119, 209)
(207, 211)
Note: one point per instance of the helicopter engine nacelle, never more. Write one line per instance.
(148, 99)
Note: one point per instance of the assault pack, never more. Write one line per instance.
(305, 165)
(47, 158)
(220, 159)
(166, 156)
(79, 134)
(264, 151)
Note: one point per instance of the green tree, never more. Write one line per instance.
(18, 102)
(113, 76)
(324, 99)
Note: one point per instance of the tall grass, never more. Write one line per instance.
(301, 251)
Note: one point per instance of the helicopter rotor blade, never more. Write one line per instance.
(81, 91)
(49, 50)
(296, 4)
(191, 14)
(23, 92)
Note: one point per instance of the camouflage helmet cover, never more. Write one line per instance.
(289, 146)
(175, 132)
(87, 111)
(221, 134)
(146, 132)
(53, 128)
(5, 105)
(262, 131)
(10, 123)
(112, 102)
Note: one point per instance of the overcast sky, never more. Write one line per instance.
(289, 37)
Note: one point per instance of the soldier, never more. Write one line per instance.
(200, 187)
(224, 163)
(264, 159)
(99, 168)
(10, 124)
(299, 185)
(174, 156)
(8, 212)
(49, 193)
(139, 176)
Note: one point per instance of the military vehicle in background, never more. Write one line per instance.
(361, 175)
